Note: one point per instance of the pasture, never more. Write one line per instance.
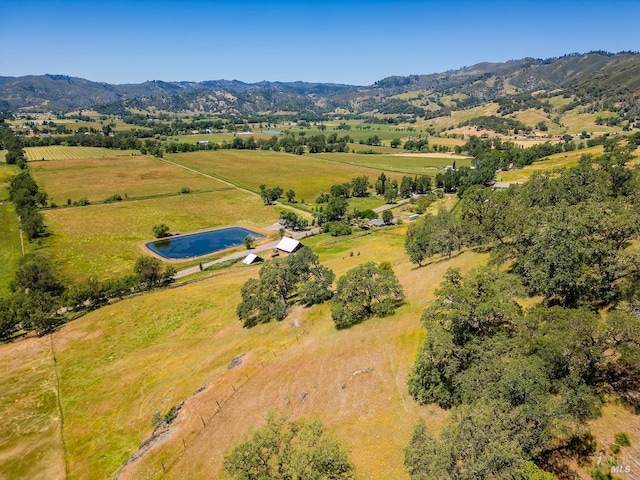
(31, 442)
(130, 176)
(104, 240)
(61, 152)
(121, 364)
(552, 162)
(307, 175)
(10, 244)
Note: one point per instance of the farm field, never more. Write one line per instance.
(558, 160)
(306, 175)
(105, 240)
(131, 176)
(60, 152)
(401, 161)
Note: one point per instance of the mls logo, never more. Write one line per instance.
(621, 469)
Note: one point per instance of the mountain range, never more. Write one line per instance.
(598, 79)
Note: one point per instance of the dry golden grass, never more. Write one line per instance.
(124, 362)
(98, 178)
(30, 442)
(558, 160)
(104, 240)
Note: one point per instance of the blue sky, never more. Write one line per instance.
(355, 42)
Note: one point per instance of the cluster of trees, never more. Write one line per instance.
(293, 221)
(365, 291)
(300, 277)
(26, 196)
(502, 125)
(270, 195)
(566, 235)
(520, 102)
(521, 384)
(13, 145)
(40, 296)
(285, 449)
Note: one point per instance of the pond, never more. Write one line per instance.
(203, 243)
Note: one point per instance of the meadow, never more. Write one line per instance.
(130, 177)
(10, 244)
(553, 162)
(121, 364)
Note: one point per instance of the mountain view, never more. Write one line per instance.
(432, 276)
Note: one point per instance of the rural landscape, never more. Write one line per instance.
(435, 276)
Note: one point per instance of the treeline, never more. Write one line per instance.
(523, 383)
(41, 297)
(13, 144)
(26, 196)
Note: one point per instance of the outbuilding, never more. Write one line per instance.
(288, 245)
(251, 259)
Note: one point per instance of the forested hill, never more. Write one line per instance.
(595, 79)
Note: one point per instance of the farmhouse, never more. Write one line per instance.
(288, 245)
(376, 222)
(203, 143)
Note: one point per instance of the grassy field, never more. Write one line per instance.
(10, 245)
(306, 175)
(60, 152)
(559, 160)
(121, 364)
(105, 240)
(98, 178)
(31, 443)
(402, 161)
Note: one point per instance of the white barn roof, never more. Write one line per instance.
(251, 258)
(288, 245)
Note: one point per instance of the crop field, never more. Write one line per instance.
(60, 152)
(130, 176)
(553, 162)
(402, 161)
(104, 240)
(306, 175)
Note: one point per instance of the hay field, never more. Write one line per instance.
(104, 240)
(60, 152)
(132, 176)
(305, 174)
